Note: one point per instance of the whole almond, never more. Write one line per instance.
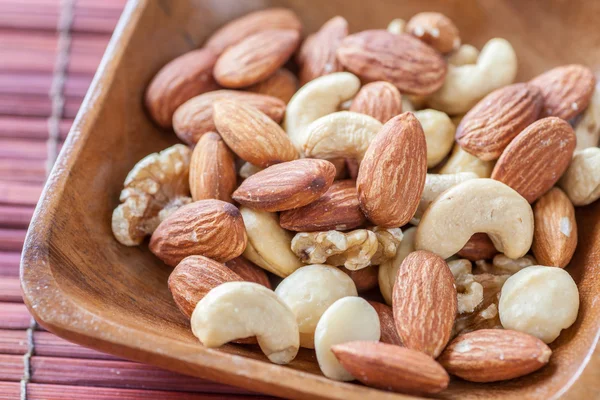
(194, 118)
(389, 334)
(337, 209)
(255, 58)
(178, 81)
(493, 123)
(317, 56)
(212, 228)
(536, 159)
(390, 367)
(391, 177)
(282, 85)
(249, 271)
(212, 169)
(566, 90)
(406, 62)
(435, 29)
(194, 277)
(240, 28)
(490, 355)
(287, 185)
(251, 134)
(424, 302)
(381, 100)
(365, 278)
(479, 247)
(555, 229)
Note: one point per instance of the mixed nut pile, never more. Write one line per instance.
(404, 161)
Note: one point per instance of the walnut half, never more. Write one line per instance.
(156, 187)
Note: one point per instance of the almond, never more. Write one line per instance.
(389, 334)
(251, 134)
(390, 367)
(566, 90)
(536, 159)
(249, 271)
(287, 185)
(282, 85)
(479, 247)
(255, 58)
(555, 229)
(490, 355)
(409, 64)
(317, 56)
(195, 117)
(489, 127)
(212, 169)
(424, 302)
(337, 209)
(436, 30)
(381, 100)
(391, 177)
(365, 278)
(237, 30)
(212, 228)
(181, 79)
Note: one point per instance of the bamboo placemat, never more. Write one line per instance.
(49, 51)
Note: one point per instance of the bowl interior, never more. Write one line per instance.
(83, 285)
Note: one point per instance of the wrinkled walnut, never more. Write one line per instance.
(354, 250)
(156, 187)
(502, 265)
(470, 293)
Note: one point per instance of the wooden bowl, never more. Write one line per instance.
(82, 285)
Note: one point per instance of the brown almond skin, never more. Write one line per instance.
(211, 228)
(390, 367)
(194, 277)
(249, 271)
(194, 118)
(240, 28)
(424, 302)
(178, 81)
(406, 62)
(287, 185)
(497, 119)
(386, 321)
(317, 55)
(566, 90)
(365, 278)
(445, 41)
(251, 134)
(555, 229)
(479, 247)
(337, 209)
(212, 169)
(381, 100)
(255, 58)
(282, 85)
(490, 355)
(391, 177)
(536, 159)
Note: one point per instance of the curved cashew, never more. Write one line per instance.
(309, 291)
(268, 243)
(237, 310)
(587, 129)
(461, 161)
(477, 205)
(396, 26)
(581, 181)
(317, 98)
(465, 85)
(464, 55)
(340, 134)
(435, 185)
(439, 134)
(389, 269)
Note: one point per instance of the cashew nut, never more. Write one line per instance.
(464, 55)
(435, 185)
(396, 26)
(389, 269)
(309, 291)
(581, 181)
(465, 85)
(317, 98)
(587, 129)
(236, 310)
(268, 243)
(346, 320)
(477, 205)
(461, 161)
(439, 134)
(340, 134)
